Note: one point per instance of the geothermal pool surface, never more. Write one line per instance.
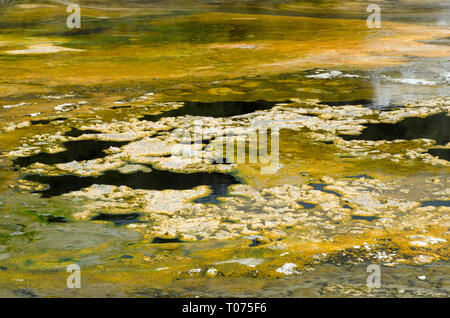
(102, 164)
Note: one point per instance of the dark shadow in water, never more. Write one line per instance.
(435, 127)
(321, 187)
(75, 132)
(442, 153)
(255, 242)
(359, 176)
(160, 240)
(218, 190)
(306, 205)
(118, 219)
(121, 107)
(126, 256)
(436, 203)
(46, 121)
(365, 218)
(76, 151)
(326, 142)
(214, 109)
(154, 180)
(53, 218)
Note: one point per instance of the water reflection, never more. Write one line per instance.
(415, 80)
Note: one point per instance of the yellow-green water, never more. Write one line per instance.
(231, 51)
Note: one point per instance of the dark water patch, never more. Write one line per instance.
(326, 142)
(154, 180)
(49, 218)
(365, 218)
(364, 102)
(435, 127)
(306, 205)
(3, 268)
(214, 109)
(81, 31)
(218, 190)
(46, 121)
(126, 256)
(360, 176)
(436, 203)
(65, 259)
(161, 240)
(346, 206)
(206, 142)
(121, 107)
(75, 132)
(118, 219)
(347, 157)
(76, 151)
(321, 187)
(165, 156)
(441, 153)
(255, 242)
